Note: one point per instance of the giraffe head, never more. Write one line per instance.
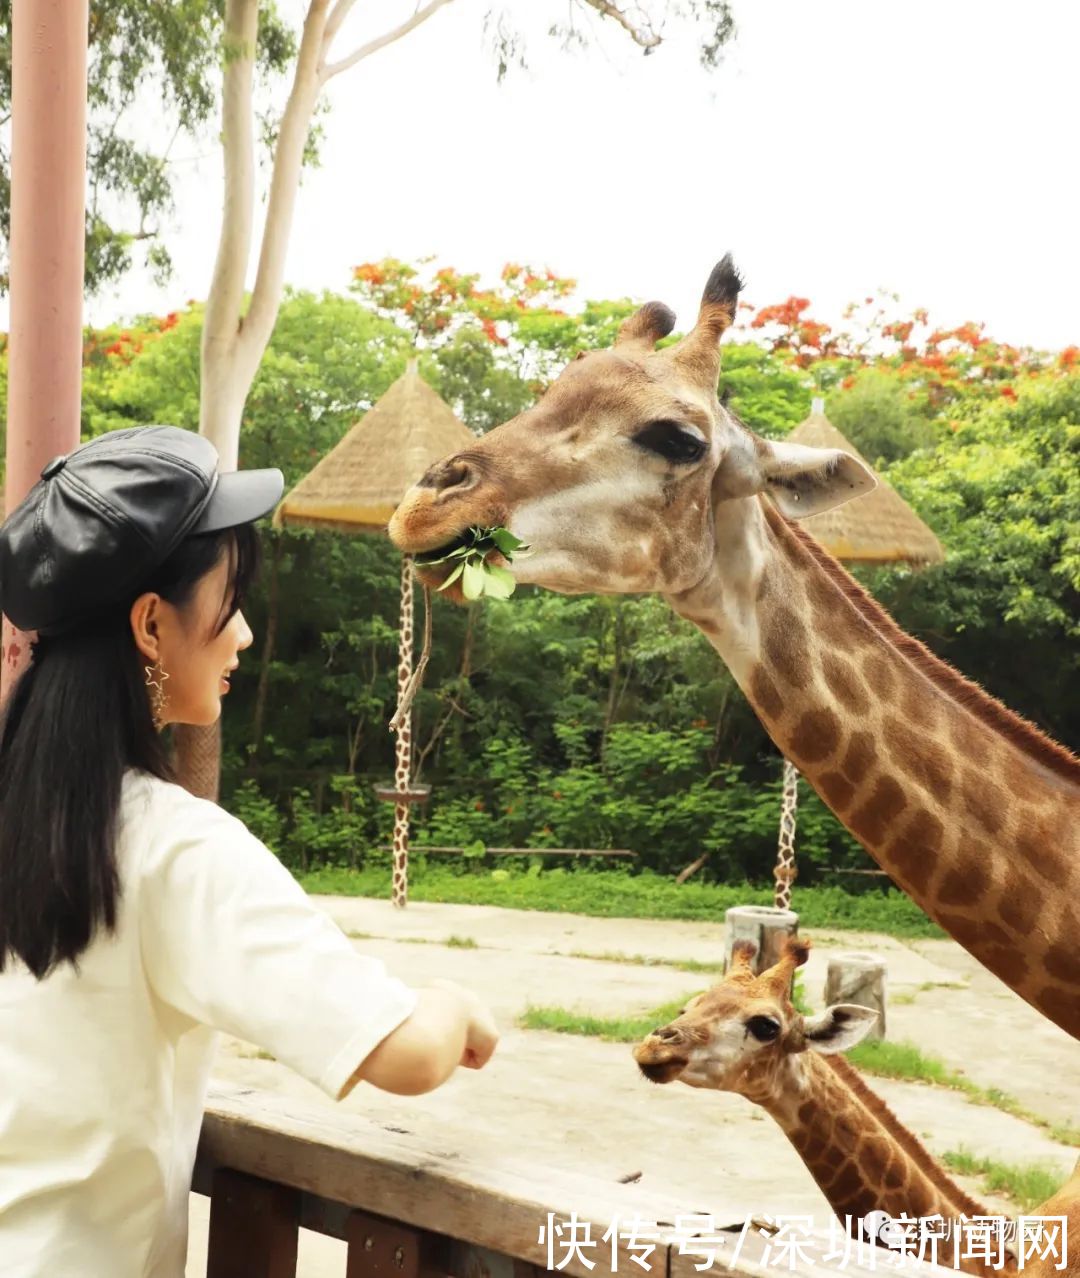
(619, 476)
(741, 1035)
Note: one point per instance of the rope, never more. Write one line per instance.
(786, 871)
(408, 695)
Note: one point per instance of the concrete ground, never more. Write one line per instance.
(580, 1103)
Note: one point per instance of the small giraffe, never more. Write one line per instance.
(745, 1036)
(629, 475)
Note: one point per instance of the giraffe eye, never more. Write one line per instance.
(763, 1028)
(673, 441)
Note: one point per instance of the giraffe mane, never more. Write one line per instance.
(906, 1139)
(1043, 749)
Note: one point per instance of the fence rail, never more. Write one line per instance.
(408, 1210)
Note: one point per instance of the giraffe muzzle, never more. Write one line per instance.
(660, 1057)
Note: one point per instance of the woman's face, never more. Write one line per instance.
(197, 657)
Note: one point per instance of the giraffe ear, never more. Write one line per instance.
(801, 480)
(805, 481)
(838, 1028)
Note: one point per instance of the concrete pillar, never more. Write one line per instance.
(765, 925)
(48, 197)
(855, 977)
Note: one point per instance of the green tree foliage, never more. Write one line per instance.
(880, 417)
(171, 49)
(554, 720)
(1002, 490)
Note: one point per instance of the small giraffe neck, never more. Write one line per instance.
(861, 1155)
(971, 811)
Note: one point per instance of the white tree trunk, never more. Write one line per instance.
(221, 400)
(233, 342)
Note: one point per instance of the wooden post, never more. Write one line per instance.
(765, 926)
(859, 978)
(48, 184)
(254, 1228)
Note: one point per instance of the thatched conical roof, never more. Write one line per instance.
(360, 482)
(879, 527)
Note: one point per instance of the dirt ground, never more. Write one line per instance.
(580, 1103)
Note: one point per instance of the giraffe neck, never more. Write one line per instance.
(857, 1150)
(859, 1153)
(970, 810)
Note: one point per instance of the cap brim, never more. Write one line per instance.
(241, 497)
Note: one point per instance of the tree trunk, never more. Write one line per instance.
(233, 342)
(268, 649)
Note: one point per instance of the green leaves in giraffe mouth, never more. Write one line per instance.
(467, 557)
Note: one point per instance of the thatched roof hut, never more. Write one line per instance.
(358, 484)
(879, 527)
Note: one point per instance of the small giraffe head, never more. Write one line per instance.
(739, 1035)
(617, 475)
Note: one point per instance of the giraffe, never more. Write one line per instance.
(745, 1036)
(630, 476)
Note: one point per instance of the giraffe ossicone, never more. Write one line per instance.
(630, 476)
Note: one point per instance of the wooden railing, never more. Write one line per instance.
(406, 1210)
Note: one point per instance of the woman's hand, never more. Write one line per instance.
(450, 1027)
(481, 1034)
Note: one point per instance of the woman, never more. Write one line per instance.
(135, 920)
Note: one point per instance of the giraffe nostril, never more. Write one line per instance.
(667, 1034)
(447, 475)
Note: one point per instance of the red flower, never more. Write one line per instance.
(786, 313)
(369, 273)
(901, 331)
(811, 333)
(1069, 356)
(847, 383)
(970, 334)
(1008, 393)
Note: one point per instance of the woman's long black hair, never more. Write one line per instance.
(77, 719)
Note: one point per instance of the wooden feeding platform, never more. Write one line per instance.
(413, 793)
(407, 1210)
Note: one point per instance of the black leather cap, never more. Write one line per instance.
(100, 520)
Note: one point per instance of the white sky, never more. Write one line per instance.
(927, 146)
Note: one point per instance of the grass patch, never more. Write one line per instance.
(461, 943)
(614, 1029)
(904, 1060)
(644, 960)
(1027, 1184)
(616, 893)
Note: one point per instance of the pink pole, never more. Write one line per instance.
(48, 200)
